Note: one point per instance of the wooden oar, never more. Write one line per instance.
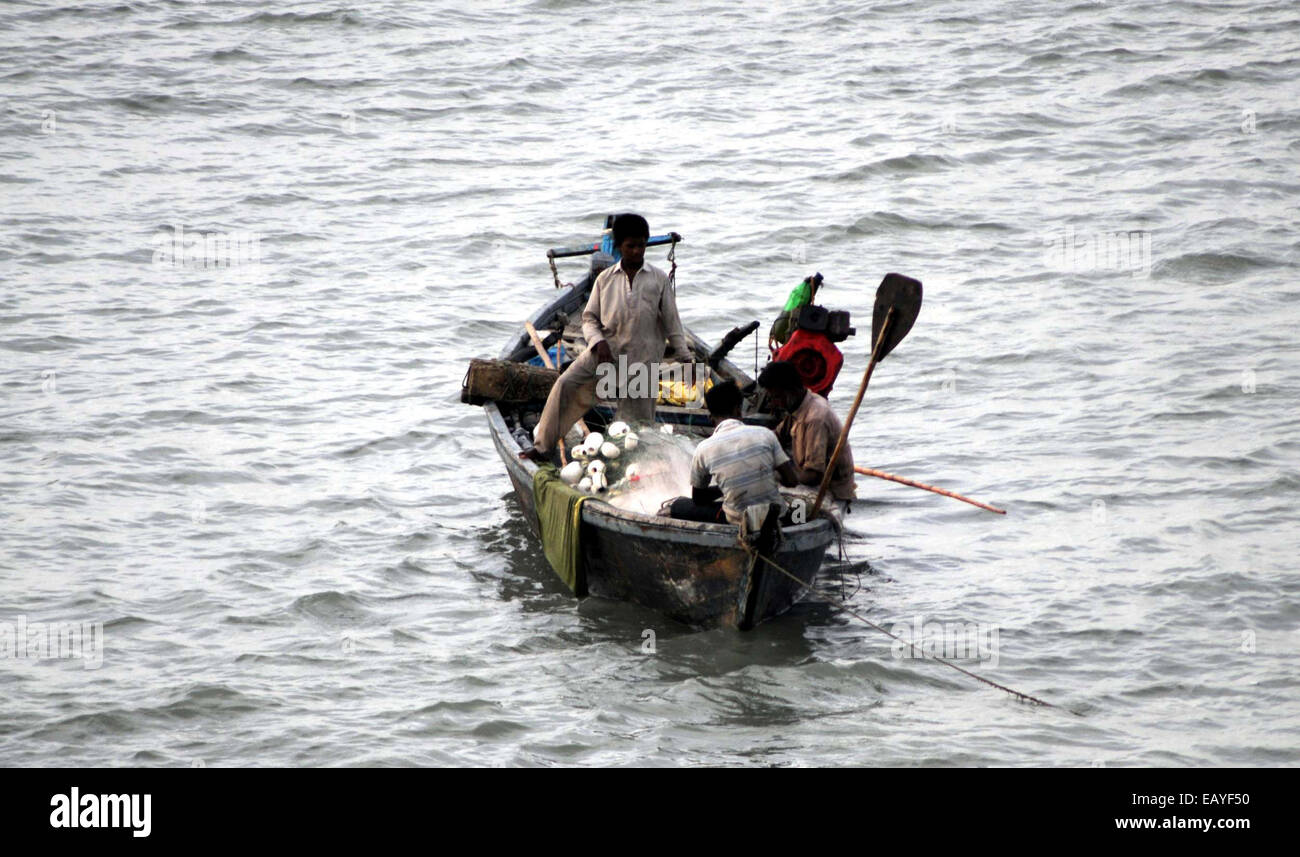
(898, 300)
(880, 474)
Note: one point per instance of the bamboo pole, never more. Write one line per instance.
(880, 474)
(853, 412)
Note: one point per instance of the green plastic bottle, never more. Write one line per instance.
(783, 327)
(801, 294)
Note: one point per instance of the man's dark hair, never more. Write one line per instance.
(723, 399)
(780, 375)
(630, 226)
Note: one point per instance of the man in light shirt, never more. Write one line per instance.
(631, 311)
(744, 461)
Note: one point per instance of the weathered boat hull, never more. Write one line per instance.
(694, 573)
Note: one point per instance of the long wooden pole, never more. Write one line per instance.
(880, 474)
(853, 412)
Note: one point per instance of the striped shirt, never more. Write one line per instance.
(743, 461)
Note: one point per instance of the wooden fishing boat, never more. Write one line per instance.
(695, 573)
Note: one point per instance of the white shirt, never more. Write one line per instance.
(633, 317)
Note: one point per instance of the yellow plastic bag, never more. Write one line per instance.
(681, 394)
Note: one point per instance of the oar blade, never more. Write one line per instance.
(904, 295)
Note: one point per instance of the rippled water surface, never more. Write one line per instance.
(303, 548)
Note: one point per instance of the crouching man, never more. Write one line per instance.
(744, 461)
(631, 311)
(809, 431)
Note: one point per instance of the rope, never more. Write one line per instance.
(555, 275)
(672, 257)
(845, 595)
(808, 586)
(555, 272)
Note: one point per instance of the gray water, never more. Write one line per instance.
(303, 549)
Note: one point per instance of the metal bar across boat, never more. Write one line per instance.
(565, 252)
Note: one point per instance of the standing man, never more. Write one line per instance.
(810, 430)
(631, 311)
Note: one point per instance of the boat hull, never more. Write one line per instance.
(693, 573)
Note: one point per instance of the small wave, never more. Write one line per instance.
(1046, 58)
(124, 621)
(1214, 267)
(144, 103)
(498, 729)
(446, 705)
(329, 16)
(283, 660)
(206, 699)
(332, 608)
(1192, 415)
(147, 757)
(1039, 121)
(869, 139)
(557, 5)
(914, 163)
(887, 221)
(315, 83)
(91, 726)
(1122, 53)
(1203, 79)
(41, 344)
(230, 55)
(274, 198)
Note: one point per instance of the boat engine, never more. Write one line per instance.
(805, 334)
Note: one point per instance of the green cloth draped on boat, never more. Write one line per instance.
(559, 514)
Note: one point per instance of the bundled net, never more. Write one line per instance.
(642, 478)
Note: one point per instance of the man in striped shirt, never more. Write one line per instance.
(744, 461)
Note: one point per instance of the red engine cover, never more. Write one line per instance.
(816, 358)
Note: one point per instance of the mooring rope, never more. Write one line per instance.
(869, 623)
(672, 257)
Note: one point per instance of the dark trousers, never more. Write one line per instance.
(710, 512)
(686, 509)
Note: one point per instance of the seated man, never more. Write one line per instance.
(745, 461)
(810, 431)
(632, 309)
